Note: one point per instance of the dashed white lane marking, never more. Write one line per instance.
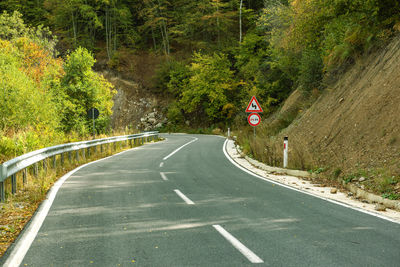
(253, 258)
(163, 176)
(185, 198)
(161, 164)
(179, 148)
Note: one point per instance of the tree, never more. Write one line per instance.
(85, 89)
(207, 95)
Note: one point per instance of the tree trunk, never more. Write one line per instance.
(240, 21)
(154, 39)
(74, 27)
(107, 30)
(218, 32)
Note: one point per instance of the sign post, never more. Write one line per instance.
(254, 119)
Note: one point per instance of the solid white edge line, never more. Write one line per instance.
(250, 255)
(163, 176)
(22, 246)
(179, 148)
(185, 198)
(304, 192)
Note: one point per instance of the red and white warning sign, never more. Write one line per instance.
(253, 106)
(254, 119)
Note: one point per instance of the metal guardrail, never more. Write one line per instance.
(10, 168)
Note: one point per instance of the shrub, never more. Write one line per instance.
(310, 70)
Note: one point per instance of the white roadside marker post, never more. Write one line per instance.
(229, 132)
(285, 151)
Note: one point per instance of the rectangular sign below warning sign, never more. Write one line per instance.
(253, 106)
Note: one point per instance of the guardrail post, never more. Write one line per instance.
(95, 149)
(2, 196)
(54, 162)
(83, 154)
(24, 174)
(44, 165)
(36, 169)
(101, 148)
(69, 156)
(77, 155)
(88, 152)
(62, 160)
(3, 171)
(14, 184)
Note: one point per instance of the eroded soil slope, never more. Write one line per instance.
(354, 127)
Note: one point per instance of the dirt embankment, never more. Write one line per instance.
(353, 129)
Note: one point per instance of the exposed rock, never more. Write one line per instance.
(362, 179)
(380, 207)
(333, 191)
(152, 120)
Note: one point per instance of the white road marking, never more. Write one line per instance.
(185, 198)
(22, 246)
(253, 258)
(301, 191)
(179, 148)
(161, 164)
(163, 176)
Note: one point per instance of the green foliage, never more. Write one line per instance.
(208, 90)
(169, 77)
(84, 89)
(310, 70)
(175, 115)
(40, 99)
(12, 27)
(22, 104)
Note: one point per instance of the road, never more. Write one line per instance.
(159, 205)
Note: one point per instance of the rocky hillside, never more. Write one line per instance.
(135, 107)
(353, 130)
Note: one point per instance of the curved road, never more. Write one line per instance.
(159, 205)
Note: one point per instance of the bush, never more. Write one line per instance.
(84, 89)
(310, 71)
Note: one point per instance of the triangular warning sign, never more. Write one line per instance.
(254, 106)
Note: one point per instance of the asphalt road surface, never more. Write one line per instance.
(181, 202)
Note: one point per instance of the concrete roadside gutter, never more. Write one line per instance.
(357, 192)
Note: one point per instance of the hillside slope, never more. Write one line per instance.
(353, 129)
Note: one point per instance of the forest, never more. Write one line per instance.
(213, 56)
